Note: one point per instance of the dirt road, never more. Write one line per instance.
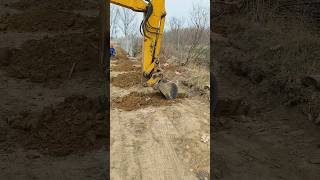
(153, 138)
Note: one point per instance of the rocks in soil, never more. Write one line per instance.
(205, 138)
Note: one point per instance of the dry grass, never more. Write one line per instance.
(200, 76)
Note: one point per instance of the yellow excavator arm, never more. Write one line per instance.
(135, 5)
(152, 28)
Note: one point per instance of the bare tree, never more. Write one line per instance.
(176, 25)
(127, 25)
(127, 21)
(114, 23)
(136, 43)
(199, 18)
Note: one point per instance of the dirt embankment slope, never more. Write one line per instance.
(57, 4)
(52, 58)
(51, 92)
(266, 122)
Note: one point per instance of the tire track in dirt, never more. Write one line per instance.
(158, 142)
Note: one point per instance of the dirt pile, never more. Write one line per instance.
(76, 125)
(49, 20)
(52, 58)
(121, 55)
(273, 56)
(127, 80)
(123, 63)
(125, 66)
(136, 100)
(56, 4)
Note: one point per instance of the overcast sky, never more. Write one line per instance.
(178, 9)
(181, 8)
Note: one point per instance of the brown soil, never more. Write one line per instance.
(262, 128)
(121, 54)
(73, 126)
(127, 80)
(38, 123)
(136, 100)
(57, 4)
(53, 57)
(267, 57)
(47, 20)
(125, 66)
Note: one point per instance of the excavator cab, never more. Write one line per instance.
(151, 28)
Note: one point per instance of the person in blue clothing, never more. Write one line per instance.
(112, 51)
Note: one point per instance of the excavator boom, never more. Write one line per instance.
(135, 5)
(152, 28)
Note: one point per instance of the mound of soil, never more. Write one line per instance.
(56, 4)
(47, 20)
(52, 58)
(121, 54)
(125, 66)
(127, 80)
(136, 100)
(76, 125)
(273, 58)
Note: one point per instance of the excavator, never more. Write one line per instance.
(152, 28)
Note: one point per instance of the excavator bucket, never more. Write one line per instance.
(168, 89)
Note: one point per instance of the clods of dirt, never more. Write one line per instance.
(135, 100)
(54, 58)
(76, 125)
(127, 80)
(56, 4)
(48, 20)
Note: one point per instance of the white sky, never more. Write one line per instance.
(181, 8)
(178, 9)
